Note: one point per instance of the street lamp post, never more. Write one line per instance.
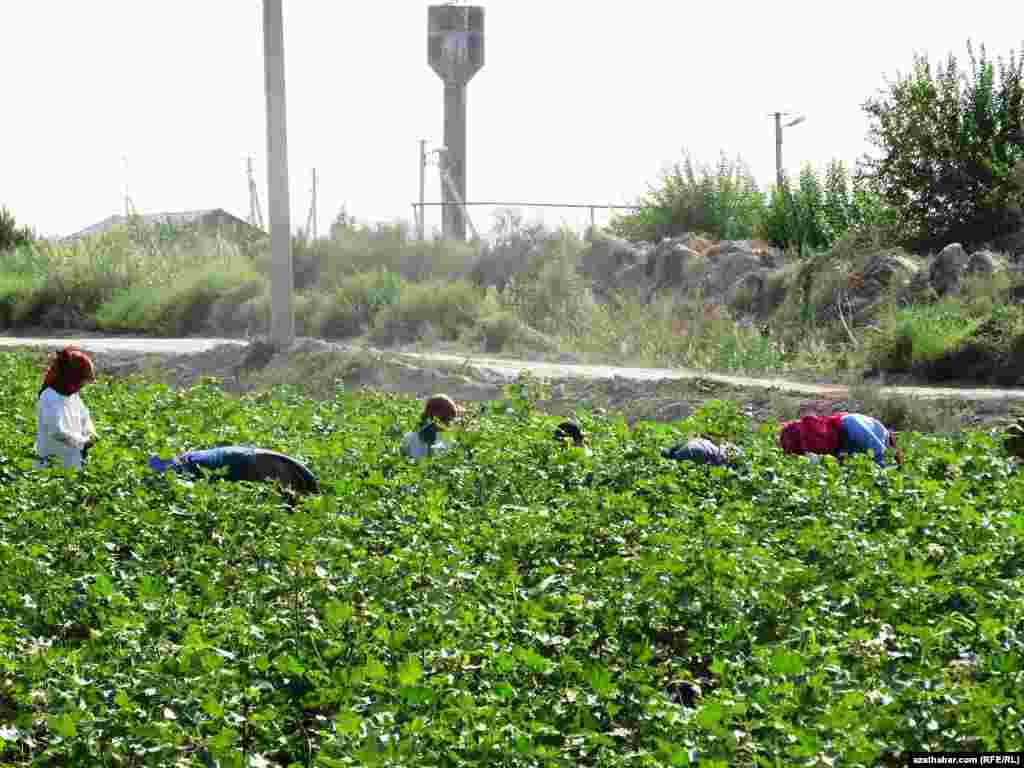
(778, 141)
(282, 321)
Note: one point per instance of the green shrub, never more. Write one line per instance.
(444, 309)
(186, 306)
(669, 332)
(134, 309)
(14, 290)
(350, 309)
(552, 296)
(353, 248)
(505, 332)
(723, 202)
(917, 334)
(719, 420)
(243, 308)
(819, 211)
(11, 235)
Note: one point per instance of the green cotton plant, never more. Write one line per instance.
(510, 602)
(720, 419)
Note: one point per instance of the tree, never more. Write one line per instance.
(950, 143)
(813, 215)
(11, 235)
(837, 201)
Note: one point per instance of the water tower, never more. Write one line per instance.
(455, 49)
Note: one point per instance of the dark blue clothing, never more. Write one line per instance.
(702, 451)
(235, 457)
(240, 463)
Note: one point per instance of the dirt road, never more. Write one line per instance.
(511, 368)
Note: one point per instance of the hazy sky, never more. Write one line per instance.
(577, 102)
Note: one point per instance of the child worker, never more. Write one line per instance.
(439, 412)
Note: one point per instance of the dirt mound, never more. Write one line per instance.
(315, 366)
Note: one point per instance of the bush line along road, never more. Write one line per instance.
(511, 368)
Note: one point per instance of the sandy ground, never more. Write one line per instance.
(318, 367)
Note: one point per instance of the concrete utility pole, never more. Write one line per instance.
(282, 321)
(455, 50)
(420, 226)
(778, 141)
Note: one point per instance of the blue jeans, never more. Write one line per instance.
(864, 434)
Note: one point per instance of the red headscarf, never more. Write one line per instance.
(70, 370)
(789, 437)
(812, 434)
(441, 408)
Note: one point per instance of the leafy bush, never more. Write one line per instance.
(916, 334)
(951, 144)
(134, 309)
(512, 249)
(352, 307)
(724, 203)
(13, 290)
(243, 308)
(670, 332)
(354, 247)
(197, 300)
(444, 309)
(505, 332)
(11, 235)
(822, 209)
(551, 295)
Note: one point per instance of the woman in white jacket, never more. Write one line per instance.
(64, 426)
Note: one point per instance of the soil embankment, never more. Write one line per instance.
(318, 368)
